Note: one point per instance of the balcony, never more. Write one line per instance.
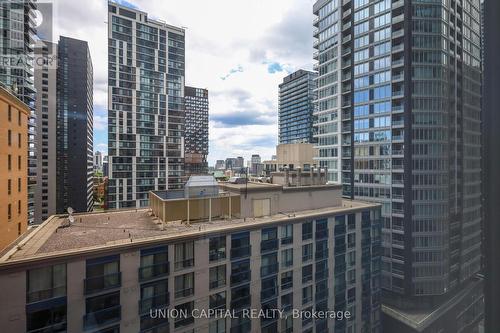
(153, 271)
(184, 292)
(321, 295)
(155, 302)
(184, 264)
(240, 252)
(268, 245)
(102, 317)
(103, 282)
(320, 275)
(240, 303)
(268, 293)
(269, 269)
(240, 277)
(58, 327)
(321, 234)
(286, 240)
(320, 255)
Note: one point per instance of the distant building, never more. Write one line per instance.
(240, 162)
(196, 136)
(256, 167)
(74, 126)
(237, 247)
(296, 106)
(17, 40)
(46, 139)
(220, 165)
(105, 166)
(98, 161)
(292, 156)
(13, 169)
(146, 100)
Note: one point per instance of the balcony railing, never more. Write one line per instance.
(268, 293)
(102, 317)
(268, 245)
(184, 292)
(321, 234)
(240, 302)
(155, 302)
(240, 252)
(269, 269)
(240, 277)
(184, 264)
(153, 271)
(103, 282)
(39, 295)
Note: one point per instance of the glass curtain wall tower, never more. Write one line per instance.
(196, 147)
(398, 111)
(17, 33)
(146, 106)
(296, 106)
(74, 156)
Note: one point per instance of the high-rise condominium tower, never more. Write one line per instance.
(146, 106)
(46, 123)
(296, 106)
(17, 32)
(196, 146)
(398, 122)
(75, 167)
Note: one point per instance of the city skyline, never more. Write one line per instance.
(232, 63)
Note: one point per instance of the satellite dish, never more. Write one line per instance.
(70, 210)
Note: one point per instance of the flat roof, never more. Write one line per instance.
(124, 228)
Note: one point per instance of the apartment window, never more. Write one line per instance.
(240, 297)
(154, 263)
(9, 137)
(321, 229)
(307, 230)
(102, 310)
(9, 186)
(102, 273)
(240, 245)
(19, 140)
(9, 113)
(19, 162)
(240, 272)
(217, 248)
(286, 280)
(351, 276)
(9, 211)
(287, 234)
(307, 273)
(181, 321)
(269, 288)
(19, 229)
(52, 318)
(307, 252)
(269, 264)
(217, 276)
(269, 240)
(18, 207)
(9, 162)
(307, 294)
(217, 301)
(217, 326)
(154, 296)
(184, 255)
(45, 283)
(19, 184)
(184, 285)
(148, 324)
(287, 258)
(321, 250)
(19, 118)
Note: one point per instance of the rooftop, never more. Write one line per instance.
(125, 228)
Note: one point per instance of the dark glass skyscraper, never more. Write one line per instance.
(146, 106)
(399, 89)
(296, 98)
(74, 126)
(196, 142)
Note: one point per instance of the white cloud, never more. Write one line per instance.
(237, 40)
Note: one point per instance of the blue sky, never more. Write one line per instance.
(239, 50)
